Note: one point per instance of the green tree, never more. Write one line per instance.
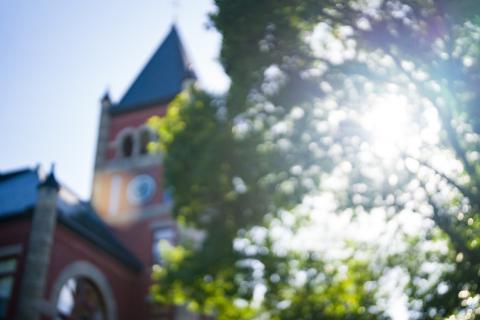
(315, 85)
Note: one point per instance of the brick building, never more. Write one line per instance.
(63, 258)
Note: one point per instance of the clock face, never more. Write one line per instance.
(141, 189)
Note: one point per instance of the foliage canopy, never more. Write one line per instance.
(371, 104)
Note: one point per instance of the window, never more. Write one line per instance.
(127, 144)
(134, 141)
(145, 139)
(80, 299)
(7, 270)
(166, 234)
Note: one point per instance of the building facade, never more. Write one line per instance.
(62, 258)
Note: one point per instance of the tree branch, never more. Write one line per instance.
(445, 224)
(467, 193)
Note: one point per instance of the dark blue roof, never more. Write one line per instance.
(18, 191)
(161, 79)
(18, 196)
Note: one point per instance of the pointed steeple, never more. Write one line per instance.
(162, 78)
(106, 102)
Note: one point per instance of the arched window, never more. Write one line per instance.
(132, 142)
(80, 298)
(145, 138)
(127, 145)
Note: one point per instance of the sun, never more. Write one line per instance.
(388, 124)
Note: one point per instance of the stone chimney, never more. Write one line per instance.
(40, 243)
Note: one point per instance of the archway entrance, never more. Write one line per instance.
(80, 299)
(81, 291)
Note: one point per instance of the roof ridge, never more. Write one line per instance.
(14, 173)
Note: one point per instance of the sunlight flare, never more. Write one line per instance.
(388, 124)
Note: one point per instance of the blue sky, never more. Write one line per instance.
(57, 58)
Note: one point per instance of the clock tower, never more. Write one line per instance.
(128, 190)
